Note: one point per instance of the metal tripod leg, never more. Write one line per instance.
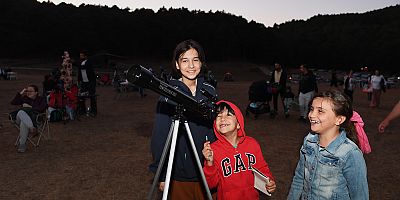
(162, 160)
(171, 139)
(196, 155)
(171, 159)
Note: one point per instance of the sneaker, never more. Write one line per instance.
(21, 148)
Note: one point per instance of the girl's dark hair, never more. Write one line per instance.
(180, 49)
(341, 106)
(221, 106)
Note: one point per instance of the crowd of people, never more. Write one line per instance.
(60, 99)
(331, 163)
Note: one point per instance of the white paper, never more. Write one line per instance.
(260, 180)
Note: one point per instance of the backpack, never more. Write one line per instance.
(55, 116)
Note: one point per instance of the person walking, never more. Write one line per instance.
(378, 84)
(334, 80)
(307, 87)
(87, 83)
(348, 85)
(278, 81)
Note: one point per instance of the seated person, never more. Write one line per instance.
(71, 101)
(48, 85)
(32, 104)
(56, 103)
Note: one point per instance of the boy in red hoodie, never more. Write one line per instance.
(230, 159)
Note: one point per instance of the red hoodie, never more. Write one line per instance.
(231, 171)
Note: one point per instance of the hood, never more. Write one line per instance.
(239, 116)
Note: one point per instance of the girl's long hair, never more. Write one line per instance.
(341, 106)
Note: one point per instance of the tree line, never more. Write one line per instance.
(32, 29)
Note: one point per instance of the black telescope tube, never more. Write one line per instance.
(143, 77)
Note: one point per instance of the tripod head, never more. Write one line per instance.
(143, 77)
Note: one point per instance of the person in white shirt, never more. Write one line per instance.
(377, 82)
(87, 84)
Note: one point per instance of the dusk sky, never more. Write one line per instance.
(267, 12)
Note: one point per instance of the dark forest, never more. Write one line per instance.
(32, 29)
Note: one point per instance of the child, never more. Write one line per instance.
(71, 101)
(188, 60)
(331, 166)
(229, 160)
(288, 100)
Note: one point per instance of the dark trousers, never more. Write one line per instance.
(349, 93)
(275, 100)
(90, 87)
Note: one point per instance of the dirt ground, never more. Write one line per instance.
(107, 157)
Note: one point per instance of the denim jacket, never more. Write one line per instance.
(335, 172)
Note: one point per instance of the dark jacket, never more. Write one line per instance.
(185, 167)
(89, 71)
(308, 83)
(282, 80)
(38, 104)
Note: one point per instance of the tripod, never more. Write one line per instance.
(170, 144)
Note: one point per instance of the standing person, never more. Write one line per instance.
(288, 100)
(230, 159)
(377, 83)
(334, 79)
(278, 80)
(348, 85)
(331, 166)
(307, 87)
(32, 104)
(87, 82)
(392, 115)
(187, 63)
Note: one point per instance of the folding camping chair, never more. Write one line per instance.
(42, 128)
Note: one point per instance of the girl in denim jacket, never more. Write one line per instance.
(331, 166)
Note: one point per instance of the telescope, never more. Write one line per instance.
(143, 77)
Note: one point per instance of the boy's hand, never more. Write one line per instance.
(161, 186)
(271, 186)
(208, 153)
